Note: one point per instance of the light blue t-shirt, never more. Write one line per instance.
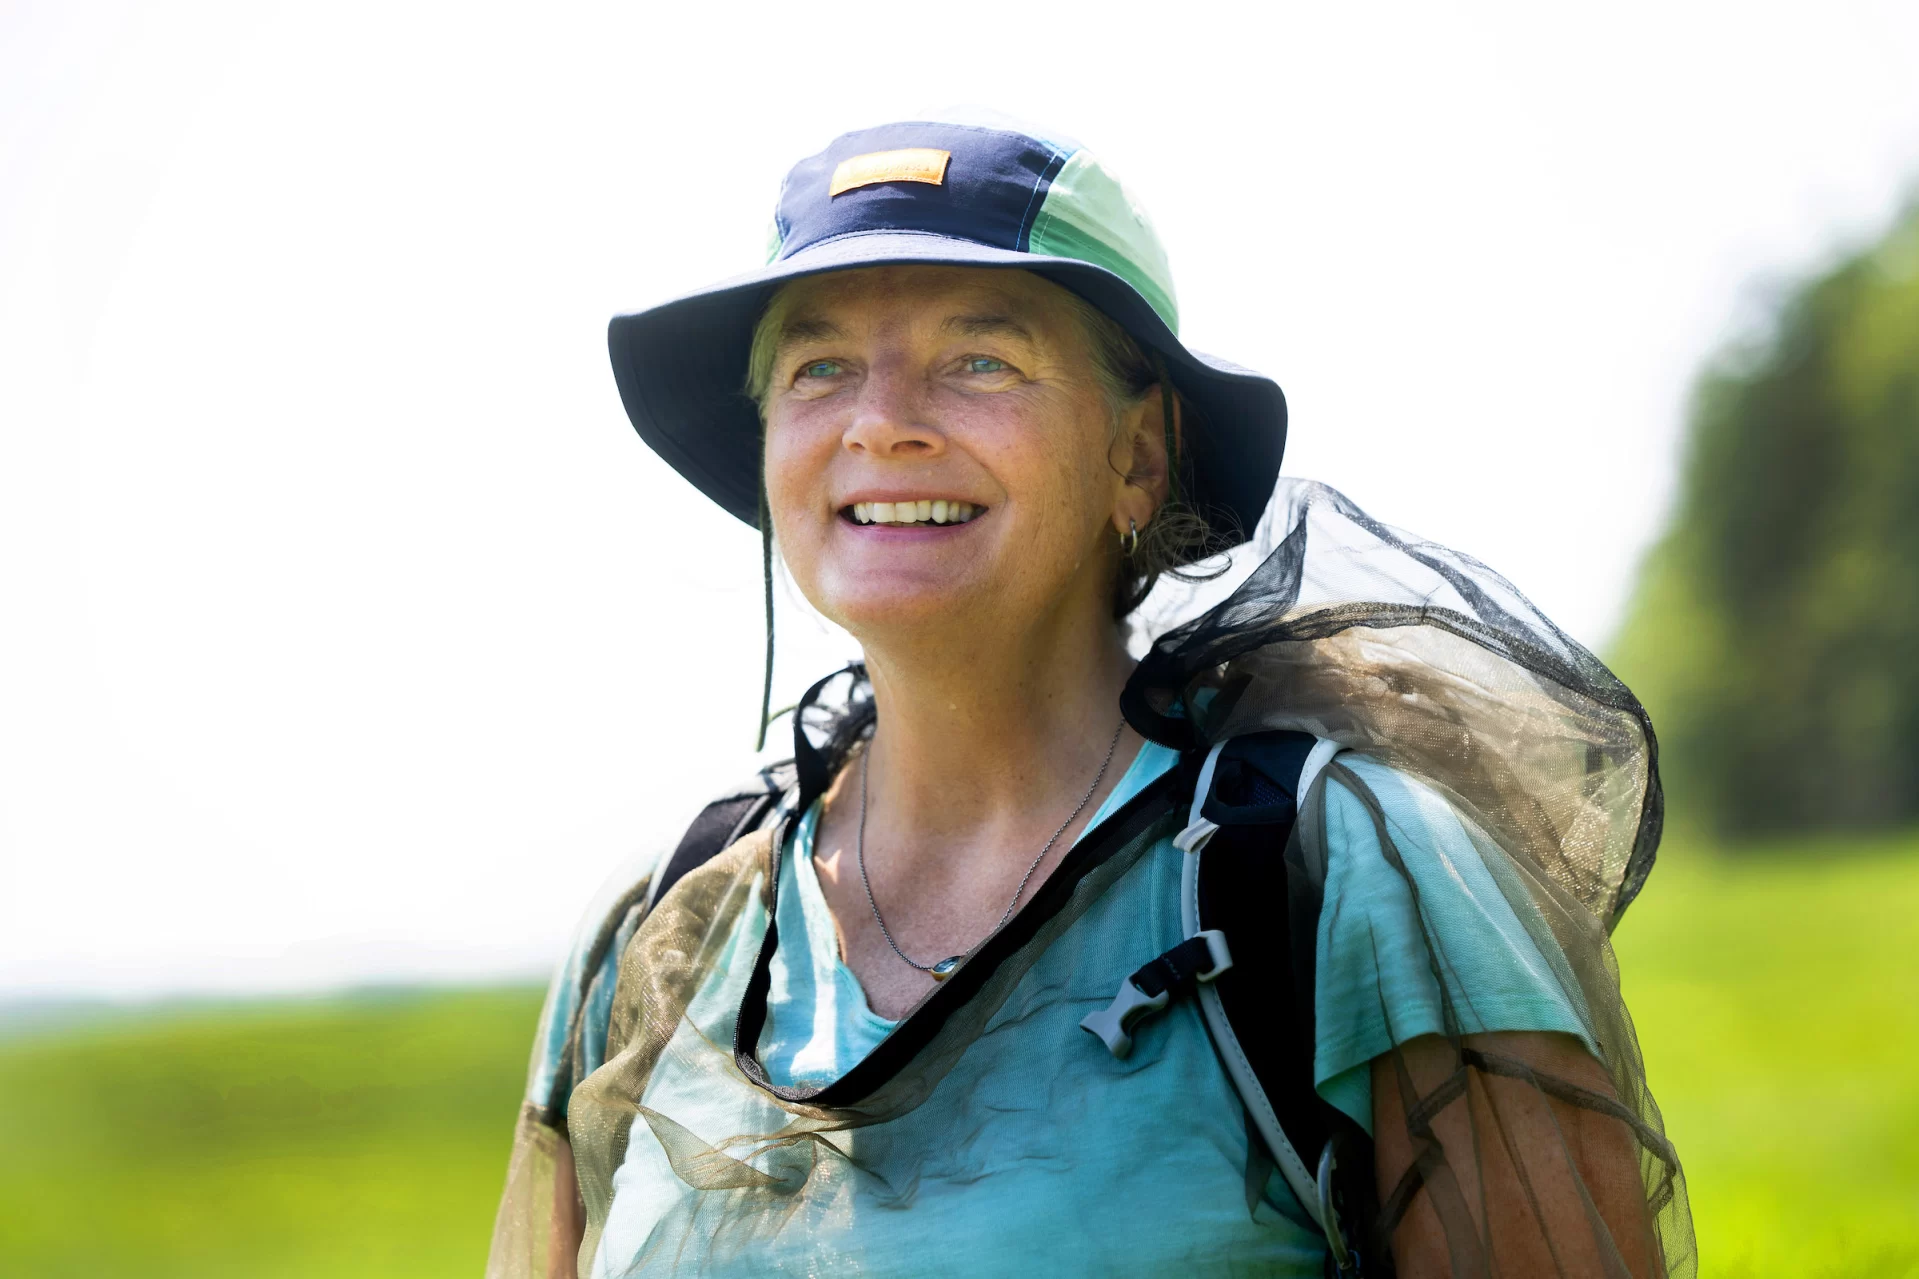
(1039, 1151)
(818, 1023)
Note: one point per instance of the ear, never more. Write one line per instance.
(1139, 458)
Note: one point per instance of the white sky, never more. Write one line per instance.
(348, 633)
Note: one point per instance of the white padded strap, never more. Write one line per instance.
(1316, 760)
(1305, 1186)
(1198, 829)
(1233, 1056)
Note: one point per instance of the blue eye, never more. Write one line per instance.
(821, 368)
(985, 364)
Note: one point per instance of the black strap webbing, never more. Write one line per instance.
(718, 825)
(1176, 970)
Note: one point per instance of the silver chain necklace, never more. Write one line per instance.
(946, 967)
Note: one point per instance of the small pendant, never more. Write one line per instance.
(945, 968)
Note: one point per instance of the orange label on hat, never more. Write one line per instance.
(913, 164)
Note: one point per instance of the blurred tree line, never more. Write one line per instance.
(1775, 633)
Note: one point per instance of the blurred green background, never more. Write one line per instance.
(1775, 632)
(1770, 965)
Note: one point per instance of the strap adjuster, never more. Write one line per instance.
(1199, 958)
(1193, 839)
(1198, 828)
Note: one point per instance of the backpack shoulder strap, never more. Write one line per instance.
(721, 824)
(573, 1029)
(1251, 885)
(1250, 914)
(571, 1040)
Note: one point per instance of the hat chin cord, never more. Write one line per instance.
(766, 576)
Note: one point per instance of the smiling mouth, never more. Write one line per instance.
(924, 511)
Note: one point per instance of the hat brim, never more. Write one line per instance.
(682, 365)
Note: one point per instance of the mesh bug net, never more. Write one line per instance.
(1422, 658)
(1408, 656)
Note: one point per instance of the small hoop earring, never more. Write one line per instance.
(1129, 540)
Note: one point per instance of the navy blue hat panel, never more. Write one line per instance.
(988, 192)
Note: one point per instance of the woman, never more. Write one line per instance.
(854, 1038)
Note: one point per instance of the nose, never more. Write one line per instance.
(888, 418)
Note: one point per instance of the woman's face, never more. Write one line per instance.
(939, 449)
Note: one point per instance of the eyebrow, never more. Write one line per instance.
(982, 326)
(808, 329)
(803, 329)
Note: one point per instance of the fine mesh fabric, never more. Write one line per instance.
(1432, 662)
(1425, 659)
(786, 1164)
(1399, 650)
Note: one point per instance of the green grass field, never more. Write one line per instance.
(1777, 999)
(360, 1137)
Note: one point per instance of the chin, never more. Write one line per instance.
(879, 602)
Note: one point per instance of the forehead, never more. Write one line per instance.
(924, 296)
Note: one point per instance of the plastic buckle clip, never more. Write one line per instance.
(1199, 958)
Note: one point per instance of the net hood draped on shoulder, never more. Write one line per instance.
(1396, 648)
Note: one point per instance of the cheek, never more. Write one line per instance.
(1057, 474)
(796, 459)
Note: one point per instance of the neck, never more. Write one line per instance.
(965, 715)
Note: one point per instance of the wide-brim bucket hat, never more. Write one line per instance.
(945, 192)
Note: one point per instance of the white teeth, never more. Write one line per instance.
(918, 511)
